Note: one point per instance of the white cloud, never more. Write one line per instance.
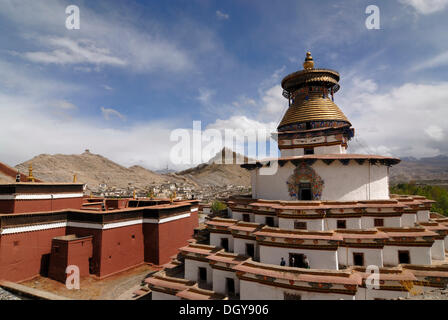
(437, 61)
(65, 105)
(69, 51)
(221, 15)
(408, 120)
(273, 101)
(108, 113)
(104, 39)
(426, 6)
(435, 132)
(105, 86)
(244, 101)
(241, 123)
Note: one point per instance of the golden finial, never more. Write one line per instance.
(30, 173)
(74, 178)
(134, 195)
(309, 62)
(172, 196)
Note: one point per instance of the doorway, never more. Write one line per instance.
(250, 250)
(297, 260)
(358, 259)
(202, 274)
(305, 191)
(404, 257)
(225, 244)
(230, 285)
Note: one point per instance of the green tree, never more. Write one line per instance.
(436, 193)
(218, 206)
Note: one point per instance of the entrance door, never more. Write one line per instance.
(250, 250)
(225, 244)
(305, 191)
(230, 285)
(404, 257)
(202, 274)
(297, 260)
(358, 259)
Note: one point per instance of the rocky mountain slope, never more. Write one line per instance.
(99, 172)
(424, 169)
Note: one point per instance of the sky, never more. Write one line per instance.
(137, 71)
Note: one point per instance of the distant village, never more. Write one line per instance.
(181, 191)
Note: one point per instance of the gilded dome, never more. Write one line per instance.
(312, 107)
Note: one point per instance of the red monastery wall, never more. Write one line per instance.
(174, 235)
(26, 254)
(121, 249)
(24, 206)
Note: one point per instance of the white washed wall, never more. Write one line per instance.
(215, 240)
(371, 256)
(438, 250)
(255, 291)
(192, 270)
(318, 259)
(219, 281)
(423, 216)
(408, 220)
(239, 216)
(239, 246)
(418, 255)
(389, 222)
(344, 183)
(351, 223)
(311, 224)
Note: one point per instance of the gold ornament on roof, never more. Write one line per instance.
(309, 62)
(30, 177)
(74, 178)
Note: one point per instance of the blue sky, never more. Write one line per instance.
(136, 70)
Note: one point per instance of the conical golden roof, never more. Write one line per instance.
(316, 108)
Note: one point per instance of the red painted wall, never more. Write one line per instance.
(22, 254)
(121, 248)
(65, 253)
(24, 206)
(6, 206)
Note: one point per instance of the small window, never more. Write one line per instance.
(250, 250)
(300, 225)
(225, 244)
(202, 274)
(270, 221)
(342, 224)
(291, 296)
(16, 243)
(404, 257)
(379, 222)
(133, 236)
(358, 259)
(230, 284)
(246, 217)
(309, 150)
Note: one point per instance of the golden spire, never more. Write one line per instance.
(74, 178)
(30, 173)
(309, 62)
(134, 195)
